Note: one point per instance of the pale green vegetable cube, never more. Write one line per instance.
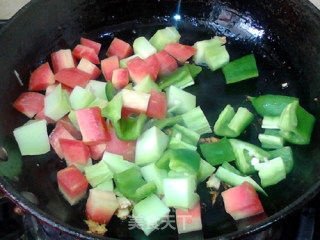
(150, 146)
(106, 186)
(201, 46)
(164, 36)
(98, 88)
(32, 138)
(73, 118)
(216, 57)
(98, 173)
(143, 48)
(99, 102)
(149, 213)
(205, 170)
(116, 162)
(56, 104)
(80, 98)
(146, 85)
(180, 101)
(196, 121)
(151, 173)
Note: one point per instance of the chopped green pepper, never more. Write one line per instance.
(218, 152)
(194, 70)
(180, 78)
(185, 134)
(231, 168)
(113, 110)
(131, 184)
(164, 123)
(180, 160)
(240, 69)
(271, 139)
(110, 91)
(271, 105)
(231, 124)
(286, 155)
(296, 124)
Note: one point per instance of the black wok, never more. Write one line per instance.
(284, 35)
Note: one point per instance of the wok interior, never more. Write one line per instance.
(283, 36)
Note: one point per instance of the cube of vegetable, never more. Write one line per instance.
(138, 69)
(88, 67)
(180, 78)
(97, 88)
(120, 78)
(154, 66)
(72, 184)
(202, 46)
(108, 65)
(123, 62)
(151, 173)
(149, 213)
(157, 107)
(116, 162)
(81, 51)
(180, 52)
(242, 201)
(101, 205)
(205, 170)
(59, 132)
(92, 44)
(164, 36)
(216, 57)
(97, 150)
(146, 85)
(167, 63)
(32, 138)
(180, 192)
(80, 98)
(150, 146)
(136, 101)
(29, 103)
(106, 186)
(41, 78)
(92, 126)
(196, 121)
(56, 104)
(69, 126)
(73, 77)
(143, 48)
(180, 101)
(119, 48)
(190, 220)
(98, 173)
(62, 59)
(185, 135)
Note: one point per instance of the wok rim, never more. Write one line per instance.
(29, 208)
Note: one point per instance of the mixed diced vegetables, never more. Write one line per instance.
(135, 135)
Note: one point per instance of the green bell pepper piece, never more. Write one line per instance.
(110, 91)
(180, 78)
(185, 134)
(193, 69)
(244, 153)
(231, 168)
(241, 69)
(218, 152)
(286, 155)
(296, 124)
(113, 110)
(180, 160)
(271, 105)
(131, 184)
(231, 124)
(271, 138)
(167, 122)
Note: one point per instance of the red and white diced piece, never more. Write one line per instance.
(68, 125)
(62, 59)
(75, 152)
(167, 63)
(180, 52)
(88, 67)
(92, 126)
(52, 87)
(41, 78)
(136, 101)
(101, 205)
(59, 132)
(73, 77)
(72, 184)
(119, 48)
(242, 201)
(127, 149)
(41, 115)
(154, 66)
(120, 78)
(157, 107)
(97, 150)
(108, 65)
(29, 103)
(81, 51)
(138, 69)
(91, 44)
(189, 221)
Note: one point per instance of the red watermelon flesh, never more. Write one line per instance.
(41, 78)
(157, 107)
(72, 184)
(92, 126)
(242, 201)
(97, 150)
(59, 132)
(73, 77)
(120, 78)
(119, 48)
(81, 51)
(88, 67)
(126, 149)
(52, 87)
(108, 65)
(91, 44)
(167, 63)
(154, 66)
(180, 52)
(189, 221)
(62, 59)
(29, 103)
(101, 205)
(68, 125)
(138, 69)
(74, 151)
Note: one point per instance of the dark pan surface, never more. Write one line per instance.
(283, 36)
